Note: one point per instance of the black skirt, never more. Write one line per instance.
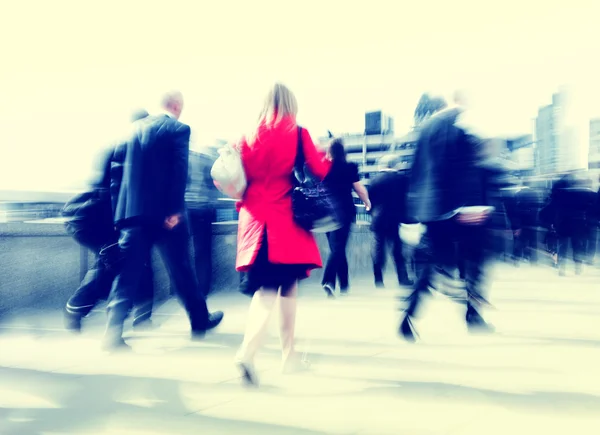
(264, 274)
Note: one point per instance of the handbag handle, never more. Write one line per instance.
(299, 174)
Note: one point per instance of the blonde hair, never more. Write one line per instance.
(279, 104)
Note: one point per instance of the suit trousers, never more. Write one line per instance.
(136, 241)
(96, 284)
(382, 238)
(451, 245)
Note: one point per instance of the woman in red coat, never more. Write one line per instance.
(272, 249)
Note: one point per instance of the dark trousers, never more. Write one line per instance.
(382, 238)
(135, 243)
(592, 242)
(201, 221)
(98, 281)
(450, 245)
(578, 244)
(525, 244)
(337, 263)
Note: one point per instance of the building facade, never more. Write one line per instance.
(594, 150)
(377, 140)
(556, 146)
(521, 154)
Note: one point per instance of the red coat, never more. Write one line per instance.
(267, 203)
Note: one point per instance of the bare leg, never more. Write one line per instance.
(288, 302)
(259, 314)
(287, 321)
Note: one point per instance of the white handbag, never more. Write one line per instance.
(411, 234)
(228, 173)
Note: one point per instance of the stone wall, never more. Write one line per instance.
(40, 265)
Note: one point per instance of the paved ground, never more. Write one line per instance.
(538, 374)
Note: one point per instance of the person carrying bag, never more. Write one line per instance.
(313, 206)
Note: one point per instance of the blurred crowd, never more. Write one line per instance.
(444, 221)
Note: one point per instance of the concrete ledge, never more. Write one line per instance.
(41, 265)
(34, 229)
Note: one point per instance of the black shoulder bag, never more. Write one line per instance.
(313, 206)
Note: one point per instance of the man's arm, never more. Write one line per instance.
(181, 156)
(101, 177)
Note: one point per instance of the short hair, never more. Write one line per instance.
(337, 150)
(170, 98)
(139, 114)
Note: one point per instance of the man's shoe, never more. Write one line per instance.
(115, 344)
(72, 322)
(143, 325)
(476, 324)
(214, 319)
(407, 330)
(481, 327)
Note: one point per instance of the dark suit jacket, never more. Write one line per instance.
(445, 174)
(150, 184)
(574, 208)
(387, 193)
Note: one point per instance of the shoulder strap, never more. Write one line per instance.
(299, 164)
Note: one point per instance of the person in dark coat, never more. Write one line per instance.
(149, 203)
(387, 193)
(341, 181)
(91, 224)
(524, 224)
(447, 195)
(201, 199)
(574, 212)
(592, 225)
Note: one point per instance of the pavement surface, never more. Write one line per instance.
(538, 374)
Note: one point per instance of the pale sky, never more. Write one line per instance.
(72, 71)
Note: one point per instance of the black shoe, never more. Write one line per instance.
(72, 322)
(114, 345)
(379, 284)
(481, 328)
(344, 291)
(406, 282)
(476, 324)
(329, 290)
(214, 319)
(143, 325)
(248, 373)
(407, 330)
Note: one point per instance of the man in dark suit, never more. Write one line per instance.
(446, 191)
(149, 202)
(387, 193)
(91, 225)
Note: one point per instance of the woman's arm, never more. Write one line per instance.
(317, 161)
(362, 193)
